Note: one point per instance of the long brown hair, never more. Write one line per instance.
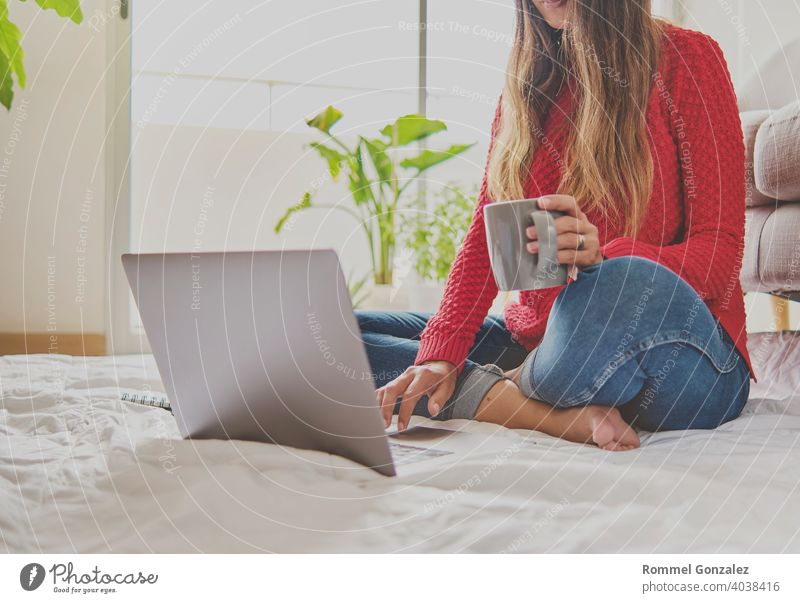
(611, 50)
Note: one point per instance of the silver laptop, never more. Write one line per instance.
(264, 346)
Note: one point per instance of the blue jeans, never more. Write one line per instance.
(628, 333)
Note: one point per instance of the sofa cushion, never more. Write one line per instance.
(772, 248)
(777, 154)
(754, 220)
(751, 122)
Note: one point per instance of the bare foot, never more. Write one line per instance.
(602, 426)
(599, 425)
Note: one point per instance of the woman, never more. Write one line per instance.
(630, 126)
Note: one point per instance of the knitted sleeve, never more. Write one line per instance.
(708, 135)
(469, 293)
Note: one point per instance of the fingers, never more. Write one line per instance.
(565, 203)
(438, 397)
(386, 405)
(564, 241)
(567, 224)
(568, 242)
(578, 258)
(416, 389)
(568, 228)
(564, 224)
(389, 393)
(437, 382)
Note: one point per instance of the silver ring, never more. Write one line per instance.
(581, 242)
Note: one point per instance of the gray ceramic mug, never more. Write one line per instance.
(515, 268)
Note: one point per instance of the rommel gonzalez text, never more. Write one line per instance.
(688, 569)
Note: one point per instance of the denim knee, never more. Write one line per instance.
(631, 270)
(601, 321)
(619, 287)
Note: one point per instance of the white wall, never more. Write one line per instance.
(219, 139)
(204, 189)
(749, 31)
(52, 178)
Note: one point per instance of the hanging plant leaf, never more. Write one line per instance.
(6, 83)
(427, 159)
(304, 203)
(325, 120)
(334, 158)
(371, 170)
(358, 181)
(380, 159)
(10, 57)
(410, 128)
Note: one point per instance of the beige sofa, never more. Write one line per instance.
(770, 104)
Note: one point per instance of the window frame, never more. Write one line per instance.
(121, 338)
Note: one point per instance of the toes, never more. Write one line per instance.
(623, 432)
(611, 432)
(603, 433)
(618, 447)
(630, 438)
(615, 447)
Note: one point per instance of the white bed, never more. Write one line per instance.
(83, 471)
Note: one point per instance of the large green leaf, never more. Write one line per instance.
(409, 128)
(11, 55)
(334, 158)
(11, 61)
(427, 159)
(380, 159)
(325, 120)
(64, 8)
(304, 203)
(6, 83)
(359, 183)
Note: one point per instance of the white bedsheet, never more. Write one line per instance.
(81, 470)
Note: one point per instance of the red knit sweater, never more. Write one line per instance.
(694, 223)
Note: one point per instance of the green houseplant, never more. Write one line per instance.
(11, 64)
(432, 232)
(379, 173)
(435, 229)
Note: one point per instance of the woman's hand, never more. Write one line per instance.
(578, 241)
(436, 379)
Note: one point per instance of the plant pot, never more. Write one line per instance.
(386, 297)
(425, 297)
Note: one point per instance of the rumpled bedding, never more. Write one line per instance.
(82, 470)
